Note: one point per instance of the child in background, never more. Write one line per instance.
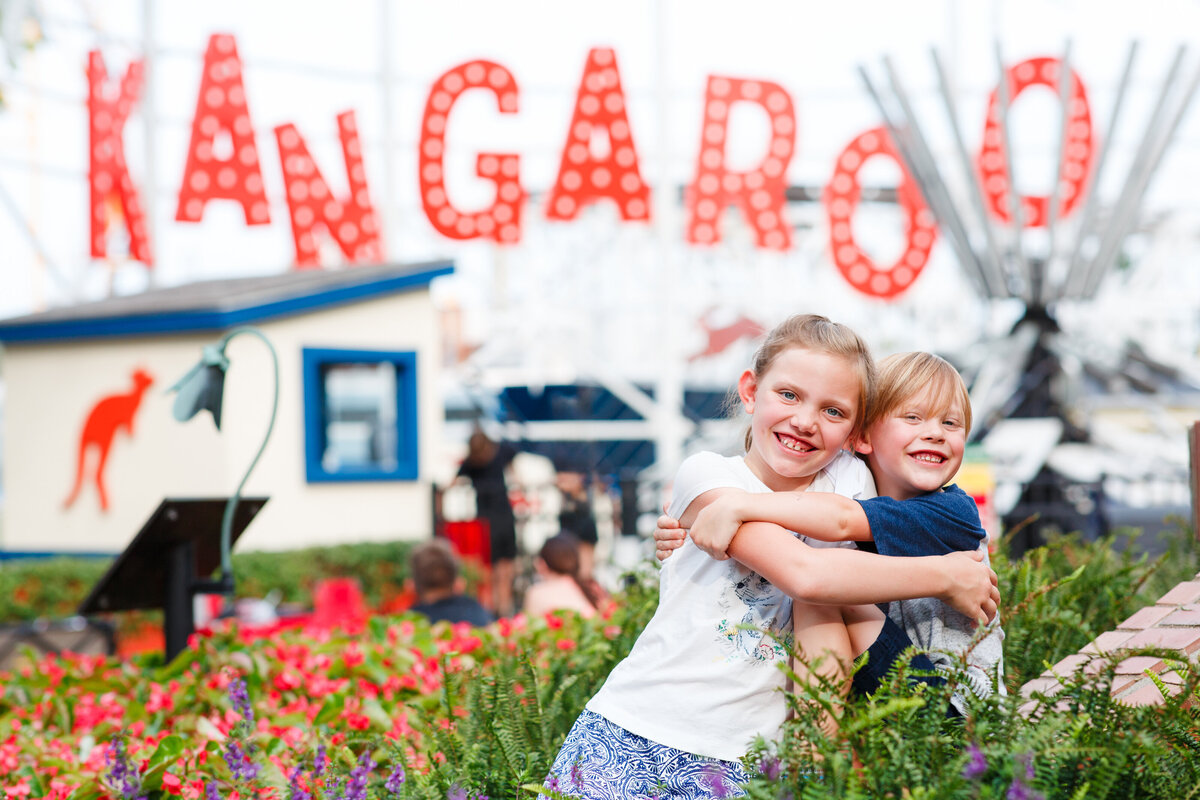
(439, 587)
(674, 718)
(916, 433)
(560, 584)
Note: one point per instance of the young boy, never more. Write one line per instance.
(439, 587)
(916, 430)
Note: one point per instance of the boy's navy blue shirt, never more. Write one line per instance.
(936, 524)
(931, 524)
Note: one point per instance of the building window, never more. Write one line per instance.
(360, 415)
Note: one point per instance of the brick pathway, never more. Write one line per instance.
(1173, 622)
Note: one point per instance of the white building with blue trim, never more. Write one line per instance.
(357, 437)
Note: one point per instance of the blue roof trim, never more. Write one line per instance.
(201, 320)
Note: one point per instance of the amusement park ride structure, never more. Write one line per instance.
(1037, 373)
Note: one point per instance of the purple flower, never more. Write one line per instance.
(295, 790)
(770, 768)
(456, 792)
(241, 699)
(976, 763)
(319, 761)
(356, 786)
(239, 761)
(211, 792)
(1018, 790)
(714, 779)
(121, 773)
(395, 780)
(552, 782)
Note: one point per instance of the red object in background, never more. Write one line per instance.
(338, 602)
(1077, 149)
(719, 339)
(841, 200)
(225, 168)
(352, 222)
(584, 177)
(471, 539)
(500, 222)
(760, 192)
(108, 174)
(108, 416)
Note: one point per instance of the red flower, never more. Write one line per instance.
(287, 681)
(352, 655)
(553, 622)
(172, 783)
(565, 644)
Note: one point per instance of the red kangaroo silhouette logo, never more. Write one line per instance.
(721, 338)
(108, 416)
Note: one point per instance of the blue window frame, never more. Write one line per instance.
(360, 415)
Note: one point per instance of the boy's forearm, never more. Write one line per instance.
(818, 515)
(834, 575)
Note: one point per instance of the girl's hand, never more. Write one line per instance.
(971, 586)
(669, 536)
(716, 525)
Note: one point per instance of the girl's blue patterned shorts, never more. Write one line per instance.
(603, 761)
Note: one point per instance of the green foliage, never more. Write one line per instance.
(380, 567)
(472, 713)
(901, 743)
(1059, 597)
(54, 587)
(507, 718)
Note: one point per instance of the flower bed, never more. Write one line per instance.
(399, 708)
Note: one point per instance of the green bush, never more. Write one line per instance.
(1057, 598)
(472, 712)
(54, 587)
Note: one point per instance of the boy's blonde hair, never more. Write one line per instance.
(904, 374)
(821, 335)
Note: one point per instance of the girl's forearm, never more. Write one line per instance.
(819, 515)
(836, 575)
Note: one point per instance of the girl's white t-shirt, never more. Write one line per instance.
(695, 679)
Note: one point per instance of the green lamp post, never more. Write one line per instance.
(202, 388)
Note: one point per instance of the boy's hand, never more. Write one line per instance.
(669, 536)
(972, 586)
(716, 525)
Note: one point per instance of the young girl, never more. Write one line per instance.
(674, 718)
(916, 431)
(560, 584)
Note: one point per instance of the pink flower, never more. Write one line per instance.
(172, 783)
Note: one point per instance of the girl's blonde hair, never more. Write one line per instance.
(821, 335)
(904, 374)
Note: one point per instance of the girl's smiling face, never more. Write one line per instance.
(803, 411)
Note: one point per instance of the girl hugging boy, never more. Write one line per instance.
(703, 680)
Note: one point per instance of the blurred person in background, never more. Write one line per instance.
(484, 466)
(559, 584)
(439, 587)
(577, 518)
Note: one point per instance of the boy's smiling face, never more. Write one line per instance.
(917, 447)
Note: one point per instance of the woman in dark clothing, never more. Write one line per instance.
(577, 519)
(484, 466)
